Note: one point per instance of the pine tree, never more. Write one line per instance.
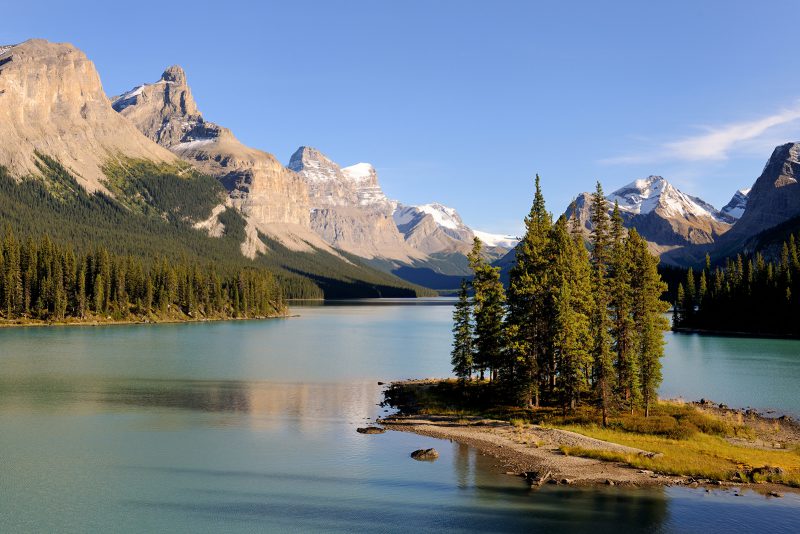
(677, 309)
(527, 298)
(489, 313)
(461, 356)
(600, 324)
(623, 329)
(648, 315)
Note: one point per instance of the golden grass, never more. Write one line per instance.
(701, 456)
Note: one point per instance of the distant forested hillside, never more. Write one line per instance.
(150, 216)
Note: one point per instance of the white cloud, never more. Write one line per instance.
(717, 142)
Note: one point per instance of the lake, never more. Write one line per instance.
(246, 426)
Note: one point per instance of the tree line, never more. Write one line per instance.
(43, 280)
(745, 294)
(150, 216)
(575, 325)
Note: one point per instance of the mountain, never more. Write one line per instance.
(735, 208)
(434, 228)
(78, 171)
(665, 216)
(52, 102)
(273, 200)
(772, 209)
(349, 209)
(774, 197)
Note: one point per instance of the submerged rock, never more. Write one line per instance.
(425, 454)
(370, 430)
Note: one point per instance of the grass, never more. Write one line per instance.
(701, 455)
(687, 441)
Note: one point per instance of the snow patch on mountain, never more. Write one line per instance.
(359, 172)
(497, 240)
(443, 215)
(195, 143)
(735, 208)
(654, 192)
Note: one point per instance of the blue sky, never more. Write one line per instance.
(463, 102)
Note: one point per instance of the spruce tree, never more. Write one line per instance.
(489, 313)
(648, 315)
(621, 297)
(528, 316)
(600, 324)
(677, 309)
(461, 356)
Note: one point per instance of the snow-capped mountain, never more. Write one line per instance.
(735, 208)
(349, 209)
(655, 193)
(365, 179)
(667, 217)
(436, 228)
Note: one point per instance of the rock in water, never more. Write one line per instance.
(425, 454)
(537, 478)
(370, 430)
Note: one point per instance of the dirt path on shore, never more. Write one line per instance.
(532, 448)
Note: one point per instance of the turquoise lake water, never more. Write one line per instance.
(249, 426)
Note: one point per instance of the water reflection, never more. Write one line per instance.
(250, 426)
(354, 401)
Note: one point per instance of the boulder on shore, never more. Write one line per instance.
(425, 454)
(370, 430)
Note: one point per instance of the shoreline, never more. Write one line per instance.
(517, 455)
(96, 323)
(727, 333)
(545, 454)
(543, 463)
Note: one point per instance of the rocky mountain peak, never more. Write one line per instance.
(775, 195)
(174, 74)
(258, 185)
(314, 165)
(52, 102)
(165, 111)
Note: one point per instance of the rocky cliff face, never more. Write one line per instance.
(349, 209)
(775, 196)
(52, 102)
(268, 194)
(665, 216)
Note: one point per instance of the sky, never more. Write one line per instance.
(464, 102)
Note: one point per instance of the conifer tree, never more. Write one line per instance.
(462, 354)
(648, 316)
(677, 310)
(600, 324)
(621, 301)
(489, 313)
(527, 298)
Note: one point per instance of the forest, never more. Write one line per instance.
(746, 294)
(576, 324)
(147, 217)
(44, 281)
